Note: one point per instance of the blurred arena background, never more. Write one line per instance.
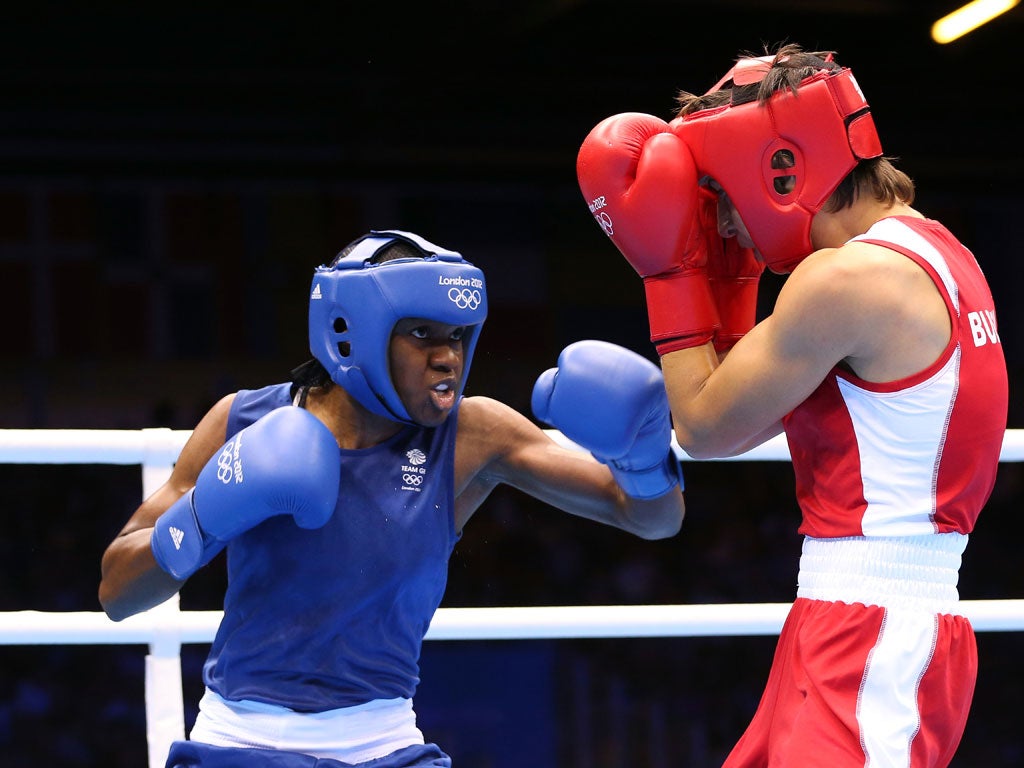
(170, 174)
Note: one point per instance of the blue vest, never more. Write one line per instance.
(317, 620)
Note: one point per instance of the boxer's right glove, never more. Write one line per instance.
(286, 463)
(640, 182)
(612, 401)
(734, 273)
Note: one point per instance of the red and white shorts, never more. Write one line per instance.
(857, 684)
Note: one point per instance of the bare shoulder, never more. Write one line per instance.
(843, 303)
(480, 407)
(848, 279)
(855, 260)
(493, 433)
(214, 423)
(206, 438)
(488, 421)
(209, 435)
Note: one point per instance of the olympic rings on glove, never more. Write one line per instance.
(225, 468)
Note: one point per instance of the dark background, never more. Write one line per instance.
(171, 173)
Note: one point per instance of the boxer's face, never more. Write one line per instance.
(426, 359)
(730, 224)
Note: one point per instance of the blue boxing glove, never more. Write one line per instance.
(612, 402)
(286, 463)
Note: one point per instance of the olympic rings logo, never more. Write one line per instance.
(225, 469)
(229, 466)
(465, 298)
(606, 223)
(410, 479)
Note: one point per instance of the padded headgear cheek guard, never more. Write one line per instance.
(354, 306)
(780, 161)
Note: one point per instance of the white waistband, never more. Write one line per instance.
(351, 734)
(915, 572)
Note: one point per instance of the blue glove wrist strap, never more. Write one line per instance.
(652, 482)
(178, 543)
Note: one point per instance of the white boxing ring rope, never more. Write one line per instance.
(165, 628)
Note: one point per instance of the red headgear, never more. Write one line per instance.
(779, 161)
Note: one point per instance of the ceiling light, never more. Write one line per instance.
(968, 18)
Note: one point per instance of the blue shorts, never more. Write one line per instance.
(194, 754)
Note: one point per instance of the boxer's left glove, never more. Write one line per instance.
(612, 402)
(640, 183)
(286, 463)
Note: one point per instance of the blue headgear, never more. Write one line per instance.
(356, 303)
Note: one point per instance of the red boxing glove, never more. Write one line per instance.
(640, 182)
(734, 273)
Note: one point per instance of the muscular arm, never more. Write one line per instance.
(131, 581)
(496, 445)
(860, 304)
